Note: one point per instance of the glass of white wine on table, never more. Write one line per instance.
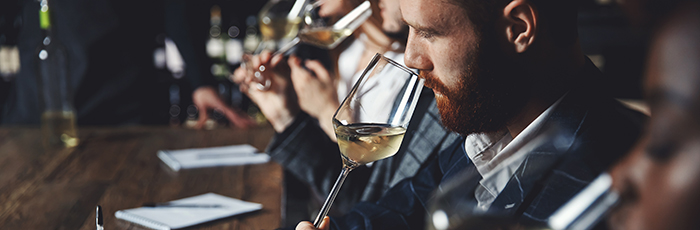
(315, 32)
(371, 121)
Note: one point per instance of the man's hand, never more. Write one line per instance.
(317, 91)
(205, 98)
(305, 225)
(279, 102)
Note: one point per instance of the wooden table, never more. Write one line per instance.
(118, 169)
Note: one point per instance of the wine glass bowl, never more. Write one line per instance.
(371, 121)
(364, 143)
(273, 20)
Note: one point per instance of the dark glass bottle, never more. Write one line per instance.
(58, 122)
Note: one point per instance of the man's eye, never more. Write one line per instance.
(426, 34)
(661, 151)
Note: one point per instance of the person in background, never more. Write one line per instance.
(187, 24)
(110, 53)
(659, 182)
(307, 150)
(509, 76)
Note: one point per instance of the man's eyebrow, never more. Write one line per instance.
(421, 29)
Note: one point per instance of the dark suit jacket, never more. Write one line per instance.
(310, 156)
(592, 132)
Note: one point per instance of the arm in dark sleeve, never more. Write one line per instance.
(309, 154)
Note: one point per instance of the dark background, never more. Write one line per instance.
(605, 35)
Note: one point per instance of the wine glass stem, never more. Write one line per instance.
(331, 197)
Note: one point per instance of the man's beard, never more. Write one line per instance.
(490, 92)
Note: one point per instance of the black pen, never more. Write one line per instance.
(98, 218)
(175, 205)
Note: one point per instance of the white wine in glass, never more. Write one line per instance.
(324, 37)
(365, 143)
(278, 28)
(371, 122)
(279, 20)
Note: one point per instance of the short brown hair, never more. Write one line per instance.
(559, 16)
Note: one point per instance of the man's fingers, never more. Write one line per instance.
(305, 225)
(318, 69)
(325, 224)
(255, 60)
(239, 75)
(299, 74)
(294, 62)
(265, 57)
(243, 88)
(276, 59)
(295, 68)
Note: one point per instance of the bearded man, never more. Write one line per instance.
(510, 77)
(309, 156)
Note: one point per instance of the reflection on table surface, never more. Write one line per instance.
(117, 168)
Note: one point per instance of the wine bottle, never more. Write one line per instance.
(216, 45)
(58, 121)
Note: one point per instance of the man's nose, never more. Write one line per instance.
(416, 56)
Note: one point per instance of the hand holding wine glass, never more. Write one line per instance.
(317, 33)
(371, 122)
(279, 103)
(316, 89)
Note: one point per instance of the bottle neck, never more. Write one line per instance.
(45, 18)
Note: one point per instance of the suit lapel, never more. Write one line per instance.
(560, 131)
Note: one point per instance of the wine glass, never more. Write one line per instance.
(315, 32)
(588, 207)
(371, 121)
(279, 22)
(453, 207)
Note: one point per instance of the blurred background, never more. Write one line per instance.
(138, 62)
(123, 64)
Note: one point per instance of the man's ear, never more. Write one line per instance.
(521, 24)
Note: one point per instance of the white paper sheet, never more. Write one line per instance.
(180, 217)
(211, 157)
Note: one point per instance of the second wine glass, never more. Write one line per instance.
(371, 122)
(316, 32)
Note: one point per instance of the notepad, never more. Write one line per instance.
(211, 157)
(181, 217)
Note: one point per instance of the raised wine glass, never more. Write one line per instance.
(371, 122)
(315, 32)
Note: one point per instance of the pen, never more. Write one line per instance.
(220, 155)
(98, 218)
(170, 205)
